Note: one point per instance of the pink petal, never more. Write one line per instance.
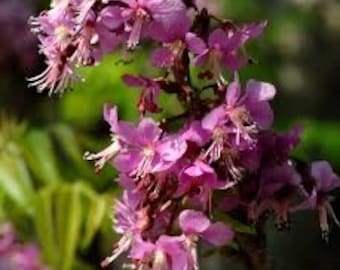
(218, 234)
(251, 31)
(111, 17)
(111, 117)
(233, 61)
(262, 114)
(162, 58)
(172, 149)
(178, 29)
(326, 179)
(259, 91)
(127, 162)
(148, 131)
(195, 44)
(213, 119)
(141, 249)
(193, 222)
(193, 171)
(218, 37)
(134, 81)
(233, 93)
(174, 247)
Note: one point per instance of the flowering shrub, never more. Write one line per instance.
(223, 160)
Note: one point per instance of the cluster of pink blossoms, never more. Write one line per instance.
(224, 158)
(14, 256)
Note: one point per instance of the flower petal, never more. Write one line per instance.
(193, 222)
(134, 81)
(218, 234)
(111, 117)
(326, 179)
(262, 114)
(162, 58)
(257, 91)
(233, 93)
(195, 44)
(172, 149)
(213, 119)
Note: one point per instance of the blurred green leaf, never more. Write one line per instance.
(103, 85)
(72, 227)
(44, 225)
(15, 181)
(96, 210)
(60, 214)
(38, 151)
(320, 141)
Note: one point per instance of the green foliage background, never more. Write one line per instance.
(53, 196)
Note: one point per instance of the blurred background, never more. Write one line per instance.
(54, 198)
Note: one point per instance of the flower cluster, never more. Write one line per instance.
(224, 158)
(15, 256)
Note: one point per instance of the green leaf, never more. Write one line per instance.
(81, 265)
(60, 213)
(96, 206)
(15, 182)
(73, 218)
(70, 144)
(44, 224)
(39, 153)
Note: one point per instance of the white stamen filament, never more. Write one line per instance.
(332, 214)
(105, 155)
(135, 33)
(141, 17)
(215, 149)
(160, 261)
(122, 246)
(145, 164)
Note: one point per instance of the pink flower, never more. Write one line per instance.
(111, 117)
(251, 111)
(129, 222)
(14, 255)
(198, 181)
(136, 16)
(240, 116)
(195, 225)
(150, 92)
(279, 185)
(325, 182)
(147, 150)
(222, 48)
(173, 43)
(168, 252)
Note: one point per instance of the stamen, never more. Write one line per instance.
(122, 246)
(141, 17)
(332, 214)
(104, 156)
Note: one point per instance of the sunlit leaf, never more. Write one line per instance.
(72, 225)
(15, 182)
(44, 225)
(38, 150)
(96, 210)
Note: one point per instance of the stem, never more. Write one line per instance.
(253, 250)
